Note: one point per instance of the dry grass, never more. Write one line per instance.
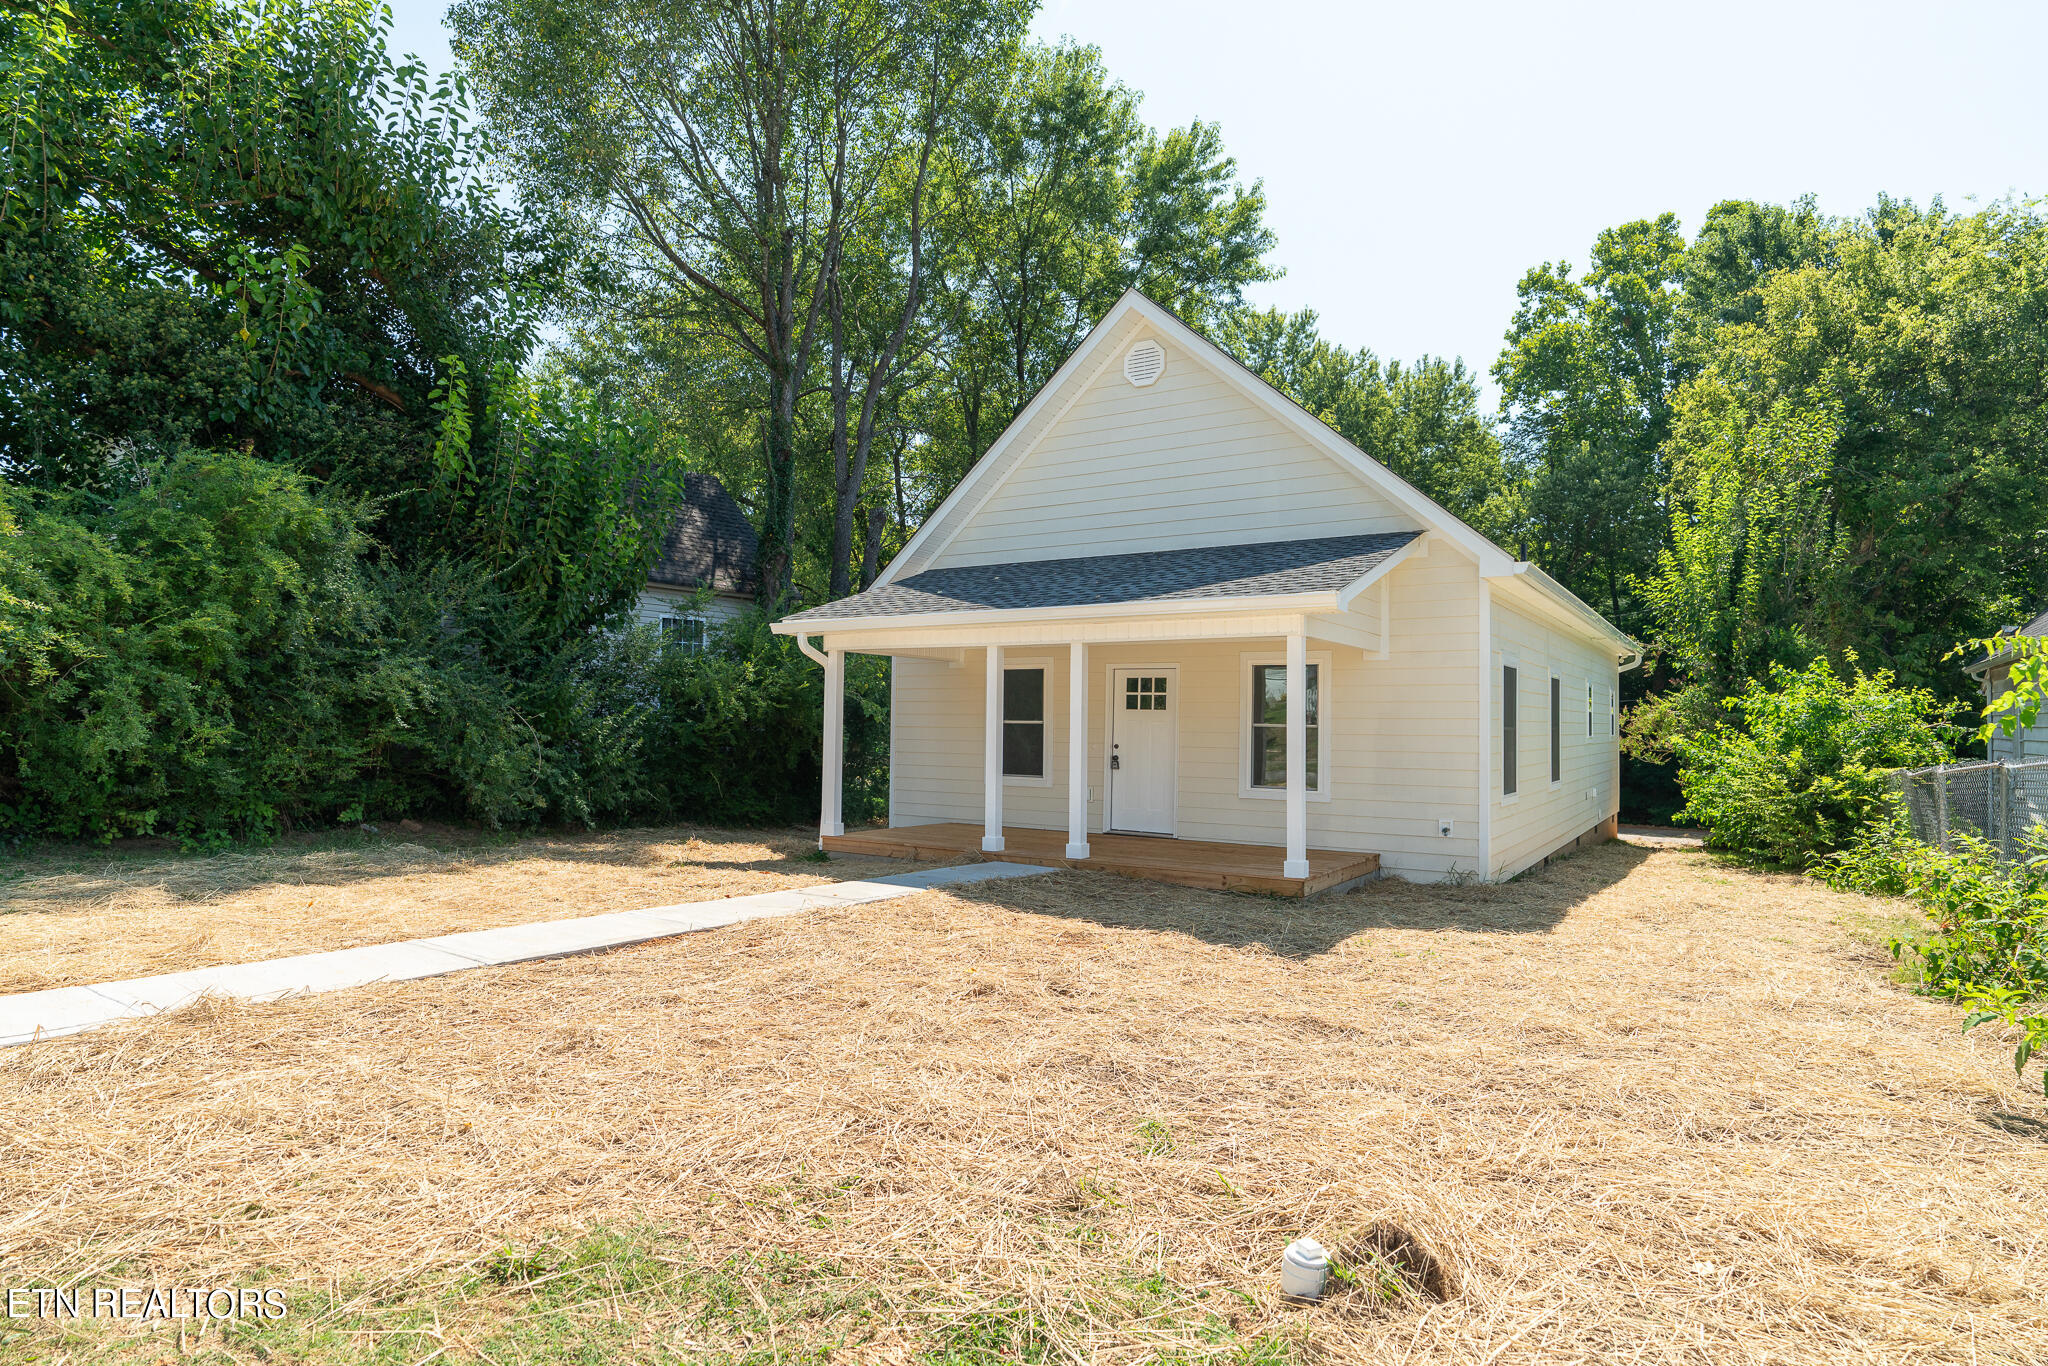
(71, 916)
(1640, 1105)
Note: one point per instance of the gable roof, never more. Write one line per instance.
(1266, 569)
(1130, 314)
(1130, 317)
(710, 544)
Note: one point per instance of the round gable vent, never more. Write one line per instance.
(1145, 363)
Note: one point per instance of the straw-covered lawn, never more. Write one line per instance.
(1636, 1107)
(71, 916)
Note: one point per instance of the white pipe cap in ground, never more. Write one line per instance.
(1304, 1266)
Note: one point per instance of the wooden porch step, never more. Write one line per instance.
(1209, 864)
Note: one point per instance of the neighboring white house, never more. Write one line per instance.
(709, 545)
(1098, 630)
(2029, 744)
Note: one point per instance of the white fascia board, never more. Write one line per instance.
(1146, 631)
(984, 471)
(1570, 608)
(1241, 606)
(1348, 594)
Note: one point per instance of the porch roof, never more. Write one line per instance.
(1260, 570)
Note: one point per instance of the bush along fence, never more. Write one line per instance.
(1997, 803)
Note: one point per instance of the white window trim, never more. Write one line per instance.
(1503, 661)
(1553, 725)
(1589, 708)
(1325, 679)
(1044, 663)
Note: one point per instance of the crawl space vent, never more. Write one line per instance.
(1145, 363)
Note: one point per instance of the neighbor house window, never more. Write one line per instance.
(1510, 678)
(1556, 729)
(689, 629)
(1024, 723)
(1265, 739)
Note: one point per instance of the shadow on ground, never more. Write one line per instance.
(60, 878)
(1532, 904)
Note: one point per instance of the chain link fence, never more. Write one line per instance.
(1996, 802)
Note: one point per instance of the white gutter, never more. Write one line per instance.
(803, 642)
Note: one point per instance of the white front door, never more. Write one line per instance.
(1144, 744)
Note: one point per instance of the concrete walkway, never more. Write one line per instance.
(34, 1015)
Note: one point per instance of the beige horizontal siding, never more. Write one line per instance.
(1187, 461)
(1542, 817)
(658, 600)
(1401, 735)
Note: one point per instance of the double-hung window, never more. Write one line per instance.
(690, 630)
(1510, 680)
(1024, 723)
(1264, 742)
(1589, 710)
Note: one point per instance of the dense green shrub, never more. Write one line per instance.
(1988, 921)
(1810, 763)
(217, 651)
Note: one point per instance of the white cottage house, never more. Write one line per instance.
(1094, 644)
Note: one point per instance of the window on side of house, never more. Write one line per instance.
(1510, 679)
(1589, 709)
(689, 629)
(1268, 737)
(1613, 714)
(1024, 723)
(1556, 729)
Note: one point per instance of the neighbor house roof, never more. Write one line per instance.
(2037, 627)
(709, 544)
(1265, 569)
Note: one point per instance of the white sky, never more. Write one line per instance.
(1419, 156)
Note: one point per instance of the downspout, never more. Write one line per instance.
(804, 643)
(1485, 729)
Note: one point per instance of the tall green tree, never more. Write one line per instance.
(733, 159)
(1422, 421)
(1862, 462)
(223, 225)
(1585, 397)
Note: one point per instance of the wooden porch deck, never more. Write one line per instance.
(1188, 863)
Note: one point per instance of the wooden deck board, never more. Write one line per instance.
(1187, 863)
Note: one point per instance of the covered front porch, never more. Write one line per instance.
(1186, 863)
(1151, 714)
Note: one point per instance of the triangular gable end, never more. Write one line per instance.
(1117, 454)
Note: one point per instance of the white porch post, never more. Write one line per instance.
(830, 811)
(1077, 750)
(992, 758)
(1297, 755)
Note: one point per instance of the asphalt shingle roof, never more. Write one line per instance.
(709, 543)
(1218, 571)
